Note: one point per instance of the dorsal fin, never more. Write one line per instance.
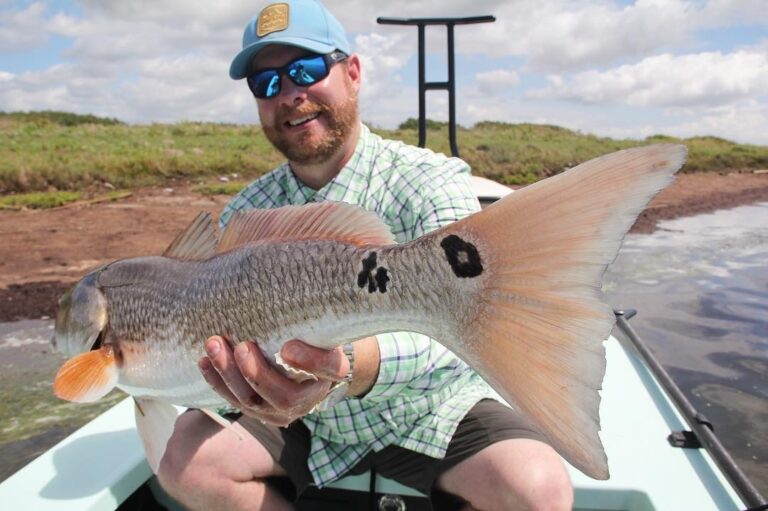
(197, 241)
(318, 221)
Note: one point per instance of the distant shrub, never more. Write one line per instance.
(413, 124)
(60, 118)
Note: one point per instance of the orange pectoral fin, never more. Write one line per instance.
(86, 377)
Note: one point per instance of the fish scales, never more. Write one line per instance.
(270, 293)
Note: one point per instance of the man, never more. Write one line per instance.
(412, 409)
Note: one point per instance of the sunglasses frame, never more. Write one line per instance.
(329, 59)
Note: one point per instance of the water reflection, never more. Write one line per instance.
(701, 287)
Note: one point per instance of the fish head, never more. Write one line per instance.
(81, 318)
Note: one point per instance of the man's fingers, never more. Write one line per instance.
(249, 382)
(273, 386)
(222, 358)
(213, 378)
(327, 364)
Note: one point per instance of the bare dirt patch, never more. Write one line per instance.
(42, 252)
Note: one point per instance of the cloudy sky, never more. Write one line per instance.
(608, 67)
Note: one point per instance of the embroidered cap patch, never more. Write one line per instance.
(272, 18)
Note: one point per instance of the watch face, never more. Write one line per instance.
(337, 393)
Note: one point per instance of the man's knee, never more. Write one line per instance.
(542, 485)
(512, 474)
(547, 486)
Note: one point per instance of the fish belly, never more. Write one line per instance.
(167, 371)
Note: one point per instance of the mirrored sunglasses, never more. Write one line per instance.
(304, 71)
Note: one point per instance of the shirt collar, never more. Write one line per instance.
(342, 187)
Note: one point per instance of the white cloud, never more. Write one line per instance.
(615, 68)
(381, 62)
(760, 46)
(496, 81)
(667, 80)
(744, 121)
(565, 35)
(22, 30)
(56, 88)
(726, 12)
(185, 88)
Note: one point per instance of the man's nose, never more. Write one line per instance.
(290, 92)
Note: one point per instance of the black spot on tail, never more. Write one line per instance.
(377, 281)
(462, 256)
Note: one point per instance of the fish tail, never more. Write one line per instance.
(532, 264)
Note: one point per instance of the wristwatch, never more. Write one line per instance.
(338, 391)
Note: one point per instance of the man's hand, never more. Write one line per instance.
(250, 383)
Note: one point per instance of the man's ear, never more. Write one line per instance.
(354, 71)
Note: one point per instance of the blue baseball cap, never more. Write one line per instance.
(303, 23)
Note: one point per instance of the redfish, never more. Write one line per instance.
(514, 290)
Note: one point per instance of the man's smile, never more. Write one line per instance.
(302, 120)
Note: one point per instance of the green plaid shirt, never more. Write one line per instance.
(423, 390)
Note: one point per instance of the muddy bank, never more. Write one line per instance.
(694, 194)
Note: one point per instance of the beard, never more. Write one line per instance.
(311, 148)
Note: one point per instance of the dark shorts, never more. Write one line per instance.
(486, 423)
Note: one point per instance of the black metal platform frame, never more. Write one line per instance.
(450, 84)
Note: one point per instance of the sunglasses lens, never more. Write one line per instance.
(304, 71)
(308, 70)
(265, 84)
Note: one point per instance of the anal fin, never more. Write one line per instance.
(155, 421)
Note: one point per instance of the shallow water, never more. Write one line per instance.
(31, 418)
(700, 285)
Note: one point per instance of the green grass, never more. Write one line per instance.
(38, 200)
(39, 155)
(228, 188)
(59, 151)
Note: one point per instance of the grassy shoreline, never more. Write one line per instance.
(61, 155)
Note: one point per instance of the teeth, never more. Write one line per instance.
(296, 122)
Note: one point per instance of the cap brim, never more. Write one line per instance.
(241, 64)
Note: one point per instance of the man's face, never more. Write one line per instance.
(309, 124)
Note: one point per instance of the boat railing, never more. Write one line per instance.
(702, 432)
